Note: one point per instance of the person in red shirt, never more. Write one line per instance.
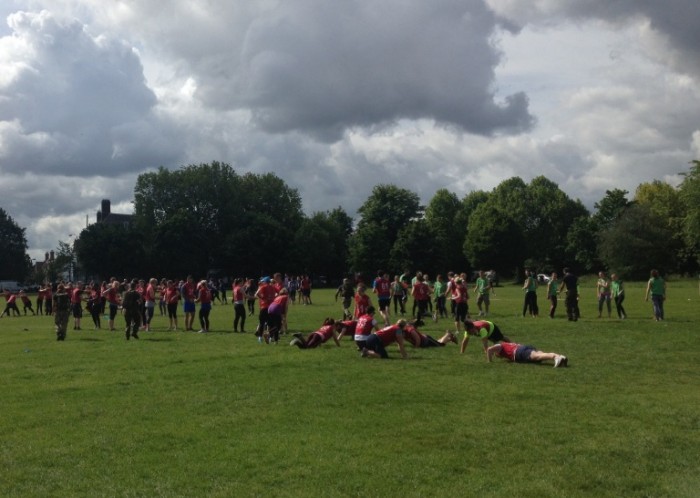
(26, 303)
(362, 301)
(76, 298)
(345, 327)
(520, 353)
(113, 300)
(172, 297)
(238, 299)
(305, 287)
(204, 298)
(421, 295)
(94, 304)
(460, 296)
(382, 288)
(11, 304)
(149, 297)
(378, 341)
(315, 339)
(266, 294)
(187, 292)
(48, 299)
(366, 324)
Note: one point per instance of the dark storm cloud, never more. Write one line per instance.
(324, 67)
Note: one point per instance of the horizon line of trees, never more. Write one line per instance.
(208, 217)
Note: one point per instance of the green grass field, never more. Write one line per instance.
(218, 414)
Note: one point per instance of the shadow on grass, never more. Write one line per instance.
(92, 339)
(157, 339)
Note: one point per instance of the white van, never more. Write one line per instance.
(10, 285)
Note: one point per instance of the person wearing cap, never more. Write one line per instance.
(522, 353)
(266, 294)
(484, 330)
(61, 307)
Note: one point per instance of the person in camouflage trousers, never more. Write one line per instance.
(61, 307)
(131, 303)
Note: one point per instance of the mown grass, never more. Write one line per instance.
(178, 414)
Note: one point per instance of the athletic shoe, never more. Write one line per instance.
(564, 362)
(363, 353)
(295, 342)
(557, 361)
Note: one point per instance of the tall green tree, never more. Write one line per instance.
(610, 207)
(665, 201)
(689, 192)
(110, 250)
(540, 214)
(207, 216)
(385, 212)
(415, 247)
(637, 241)
(447, 229)
(14, 263)
(321, 244)
(494, 240)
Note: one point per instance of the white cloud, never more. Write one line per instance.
(335, 98)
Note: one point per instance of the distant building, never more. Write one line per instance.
(105, 215)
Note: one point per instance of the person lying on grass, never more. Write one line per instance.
(420, 340)
(485, 330)
(315, 339)
(378, 341)
(520, 353)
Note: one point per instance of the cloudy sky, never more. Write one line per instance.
(335, 97)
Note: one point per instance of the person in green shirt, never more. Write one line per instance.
(618, 294)
(483, 289)
(530, 288)
(657, 288)
(439, 289)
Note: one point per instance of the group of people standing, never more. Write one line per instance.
(608, 290)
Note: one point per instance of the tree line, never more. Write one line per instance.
(208, 217)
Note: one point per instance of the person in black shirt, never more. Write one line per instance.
(570, 283)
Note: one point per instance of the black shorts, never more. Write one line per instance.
(374, 343)
(384, 303)
(495, 334)
(461, 311)
(77, 310)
